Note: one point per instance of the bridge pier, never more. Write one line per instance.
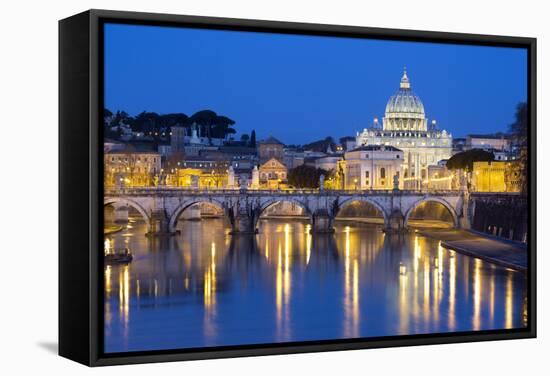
(121, 213)
(159, 224)
(322, 223)
(395, 223)
(243, 224)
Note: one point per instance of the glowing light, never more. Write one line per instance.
(308, 243)
(477, 294)
(107, 247)
(452, 290)
(124, 296)
(509, 302)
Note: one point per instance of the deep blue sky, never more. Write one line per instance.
(303, 88)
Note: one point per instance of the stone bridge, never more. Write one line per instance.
(162, 206)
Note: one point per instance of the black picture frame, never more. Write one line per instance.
(81, 186)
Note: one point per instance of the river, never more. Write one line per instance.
(204, 287)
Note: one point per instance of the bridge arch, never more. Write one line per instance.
(367, 200)
(441, 201)
(270, 202)
(172, 224)
(131, 203)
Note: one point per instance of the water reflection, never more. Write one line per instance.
(206, 288)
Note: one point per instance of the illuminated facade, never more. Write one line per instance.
(272, 173)
(406, 127)
(131, 168)
(371, 167)
(496, 176)
(197, 178)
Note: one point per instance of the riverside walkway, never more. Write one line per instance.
(503, 252)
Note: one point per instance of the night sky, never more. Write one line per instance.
(304, 88)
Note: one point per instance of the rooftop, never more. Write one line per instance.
(376, 148)
(271, 140)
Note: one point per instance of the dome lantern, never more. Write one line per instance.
(404, 110)
(405, 84)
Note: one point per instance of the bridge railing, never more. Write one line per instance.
(164, 190)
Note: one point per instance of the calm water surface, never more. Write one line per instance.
(206, 288)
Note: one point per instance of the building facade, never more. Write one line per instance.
(406, 127)
(270, 148)
(496, 176)
(131, 168)
(371, 167)
(272, 173)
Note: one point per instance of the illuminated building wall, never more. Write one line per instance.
(197, 178)
(371, 167)
(131, 169)
(496, 176)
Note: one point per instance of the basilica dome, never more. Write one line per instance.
(405, 102)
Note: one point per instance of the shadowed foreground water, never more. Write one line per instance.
(206, 288)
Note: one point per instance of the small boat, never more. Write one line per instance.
(119, 256)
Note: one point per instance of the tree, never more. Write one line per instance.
(107, 112)
(221, 127)
(205, 119)
(519, 130)
(212, 124)
(305, 176)
(245, 138)
(465, 160)
(253, 139)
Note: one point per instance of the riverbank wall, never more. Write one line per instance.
(504, 216)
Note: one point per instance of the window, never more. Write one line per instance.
(382, 173)
(367, 173)
(397, 156)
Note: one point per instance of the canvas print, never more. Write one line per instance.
(264, 188)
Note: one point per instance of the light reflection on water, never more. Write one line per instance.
(206, 288)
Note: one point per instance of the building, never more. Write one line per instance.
(371, 167)
(405, 127)
(489, 142)
(496, 176)
(132, 168)
(270, 148)
(272, 173)
(177, 139)
(348, 143)
(190, 141)
(293, 157)
(197, 178)
(440, 178)
(459, 144)
(328, 162)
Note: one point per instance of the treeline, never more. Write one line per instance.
(207, 122)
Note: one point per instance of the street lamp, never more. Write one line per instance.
(355, 182)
